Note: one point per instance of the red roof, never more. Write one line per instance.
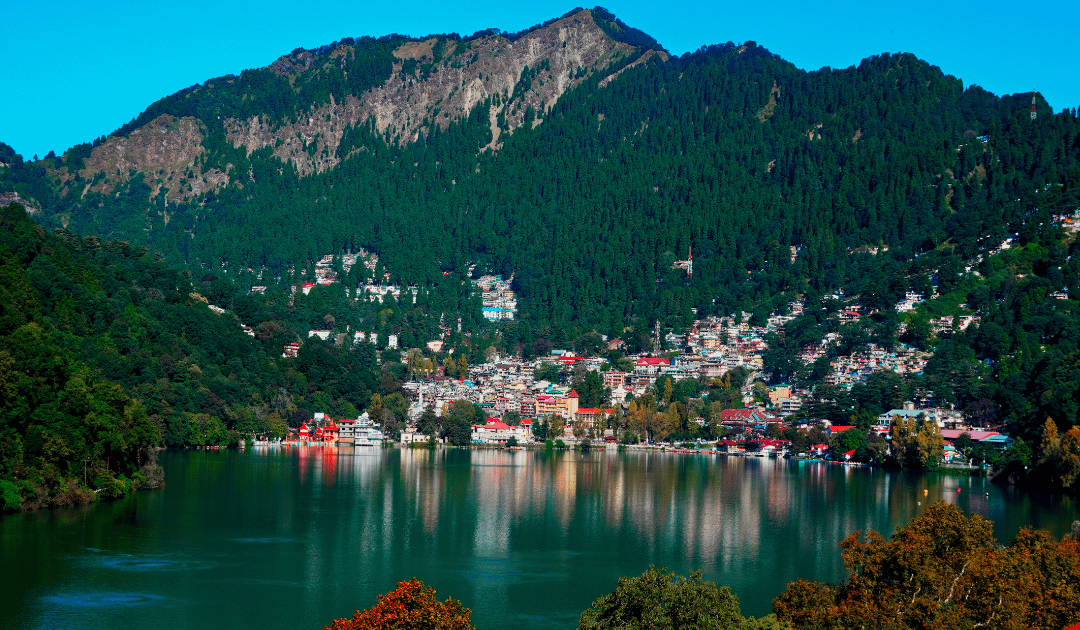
(652, 361)
(497, 425)
(952, 434)
(331, 427)
(572, 394)
(737, 414)
(303, 428)
(836, 428)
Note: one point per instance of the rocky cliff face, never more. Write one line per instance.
(9, 198)
(164, 153)
(421, 93)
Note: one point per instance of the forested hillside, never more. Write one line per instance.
(107, 352)
(582, 159)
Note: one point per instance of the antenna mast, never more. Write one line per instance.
(1033, 114)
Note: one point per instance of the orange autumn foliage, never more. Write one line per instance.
(942, 571)
(411, 606)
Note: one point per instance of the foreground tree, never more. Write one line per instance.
(659, 599)
(943, 570)
(410, 606)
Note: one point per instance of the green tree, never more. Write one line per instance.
(375, 408)
(429, 422)
(458, 427)
(662, 600)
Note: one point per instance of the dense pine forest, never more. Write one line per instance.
(584, 176)
(108, 352)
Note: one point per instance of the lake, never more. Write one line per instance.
(294, 537)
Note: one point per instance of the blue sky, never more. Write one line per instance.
(77, 70)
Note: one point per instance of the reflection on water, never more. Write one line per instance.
(297, 536)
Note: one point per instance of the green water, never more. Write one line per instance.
(292, 538)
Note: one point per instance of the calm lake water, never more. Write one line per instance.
(294, 537)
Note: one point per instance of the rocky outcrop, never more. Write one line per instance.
(515, 77)
(531, 72)
(164, 152)
(8, 198)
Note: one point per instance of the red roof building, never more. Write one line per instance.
(746, 416)
(650, 365)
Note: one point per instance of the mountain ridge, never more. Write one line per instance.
(417, 89)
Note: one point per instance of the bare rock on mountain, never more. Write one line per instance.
(164, 152)
(423, 92)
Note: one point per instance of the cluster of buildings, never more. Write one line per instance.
(498, 299)
(715, 345)
(378, 292)
(709, 349)
(850, 369)
(360, 431)
(324, 268)
(505, 387)
(373, 338)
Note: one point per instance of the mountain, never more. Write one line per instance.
(582, 160)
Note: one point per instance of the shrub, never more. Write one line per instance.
(9, 494)
(411, 606)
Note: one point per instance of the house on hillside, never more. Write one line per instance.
(589, 415)
(614, 378)
(909, 411)
(650, 366)
(983, 437)
(741, 416)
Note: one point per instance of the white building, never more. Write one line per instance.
(497, 432)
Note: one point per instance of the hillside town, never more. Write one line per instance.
(523, 401)
(526, 401)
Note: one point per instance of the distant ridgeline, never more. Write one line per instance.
(583, 160)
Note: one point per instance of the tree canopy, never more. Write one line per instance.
(944, 570)
(411, 606)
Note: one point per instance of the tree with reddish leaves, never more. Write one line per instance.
(411, 606)
(944, 570)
